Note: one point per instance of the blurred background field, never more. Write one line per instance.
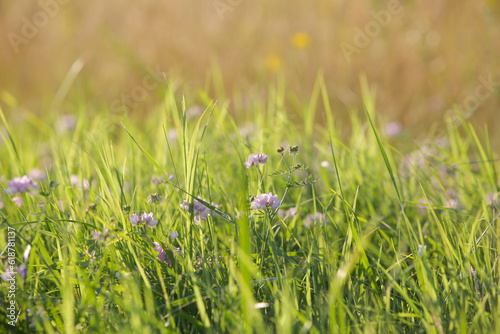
(428, 57)
(394, 232)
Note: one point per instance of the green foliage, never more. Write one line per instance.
(380, 241)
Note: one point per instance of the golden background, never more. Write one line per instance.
(427, 58)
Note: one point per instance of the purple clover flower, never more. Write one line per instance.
(492, 200)
(195, 111)
(19, 185)
(9, 274)
(265, 201)
(76, 182)
(18, 200)
(134, 219)
(173, 234)
(393, 129)
(37, 174)
(161, 179)
(201, 212)
(162, 255)
(255, 159)
(452, 203)
(292, 212)
(100, 236)
(22, 271)
(288, 213)
(145, 218)
(312, 218)
(66, 123)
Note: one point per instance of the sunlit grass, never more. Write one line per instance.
(379, 240)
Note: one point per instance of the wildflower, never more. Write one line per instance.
(159, 180)
(294, 150)
(195, 111)
(173, 234)
(100, 236)
(266, 201)
(143, 219)
(10, 274)
(247, 129)
(148, 219)
(163, 256)
(213, 212)
(452, 203)
(291, 212)
(134, 219)
(258, 306)
(18, 200)
(172, 135)
(280, 149)
(255, 159)
(19, 185)
(262, 158)
(393, 129)
(312, 218)
(77, 182)
(300, 40)
(474, 275)
(37, 174)
(274, 62)
(419, 158)
(288, 213)
(22, 271)
(201, 212)
(324, 164)
(154, 198)
(492, 200)
(66, 123)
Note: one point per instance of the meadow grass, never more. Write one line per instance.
(381, 241)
